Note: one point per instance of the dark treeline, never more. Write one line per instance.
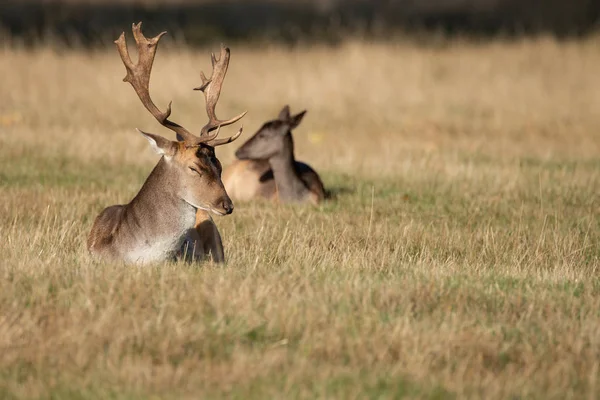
(78, 22)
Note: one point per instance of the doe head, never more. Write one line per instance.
(273, 138)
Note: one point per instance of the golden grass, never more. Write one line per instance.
(459, 259)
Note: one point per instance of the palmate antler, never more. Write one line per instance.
(138, 75)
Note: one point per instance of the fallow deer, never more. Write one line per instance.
(169, 217)
(266, 166)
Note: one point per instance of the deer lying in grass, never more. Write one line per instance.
(169, 217)
(267, 168)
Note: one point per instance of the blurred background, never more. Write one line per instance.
(445, 78)
(94, 22)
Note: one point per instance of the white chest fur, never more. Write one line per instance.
(164, 247)
(160, 250)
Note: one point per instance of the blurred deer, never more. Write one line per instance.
(267, 167)
(169, 217)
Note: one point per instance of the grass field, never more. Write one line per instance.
(459, 259)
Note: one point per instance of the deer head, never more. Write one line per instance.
(273, 138)
(196, 170)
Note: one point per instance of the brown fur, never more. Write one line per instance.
(245, 180)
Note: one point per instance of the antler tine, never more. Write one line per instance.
(220, 142)
(138, 75)
(211, 87)
(205, 139)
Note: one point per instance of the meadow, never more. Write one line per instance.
(459, 257)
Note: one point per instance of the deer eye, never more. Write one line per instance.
(195, 170)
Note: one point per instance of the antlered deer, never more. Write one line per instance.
(170, 216)
(267, 167)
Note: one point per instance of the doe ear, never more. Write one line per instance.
(159, 144)
(284, 114)
(296, 119)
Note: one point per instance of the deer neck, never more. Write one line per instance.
(158, 211)
(289, 185)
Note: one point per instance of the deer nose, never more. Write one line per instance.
(227, 206)
(240, 153)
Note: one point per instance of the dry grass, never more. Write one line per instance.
(460, 258)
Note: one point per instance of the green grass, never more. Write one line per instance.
(458, 258)
(507, 274)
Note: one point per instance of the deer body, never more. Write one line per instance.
(169, 217)
(267, 168)
(245, 180)
(157, 225)
(151, 228)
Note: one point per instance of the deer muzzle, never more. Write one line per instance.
(227, 205)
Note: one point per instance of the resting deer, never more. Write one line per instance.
(267, 167)
(169, 217)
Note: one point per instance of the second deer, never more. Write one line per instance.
(267, 168)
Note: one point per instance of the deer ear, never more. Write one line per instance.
(296, 119)
(284, 114)
(159, 144)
